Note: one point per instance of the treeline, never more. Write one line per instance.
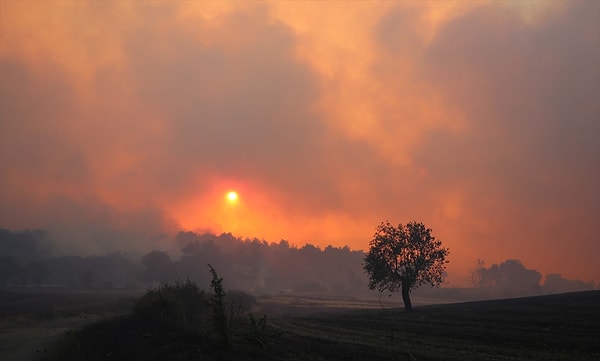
(27, 258)
(512, 278)
(259, 267)
(252, 265)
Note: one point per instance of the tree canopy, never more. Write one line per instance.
(403, 258)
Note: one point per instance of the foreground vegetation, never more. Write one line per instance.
(555, 327)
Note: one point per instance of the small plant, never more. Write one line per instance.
(229, 322)
(217, 303)
(256, 332)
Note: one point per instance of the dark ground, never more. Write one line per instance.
(553, 327)
(557, 327)
(33, 319)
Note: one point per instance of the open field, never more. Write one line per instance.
(31, 320)
(311, 304)
(557, 327)
(554, 327)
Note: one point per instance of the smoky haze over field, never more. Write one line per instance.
(249, 265)
(124, 123)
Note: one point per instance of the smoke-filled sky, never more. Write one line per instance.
(122, 121)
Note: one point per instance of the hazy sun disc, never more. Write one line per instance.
(232, 196)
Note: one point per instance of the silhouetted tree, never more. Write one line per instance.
(404, 257)
(247, 265)
(158, 267)
(509, 278)
(555, 283)
(24, 246)
(477, 275)
(197, 255)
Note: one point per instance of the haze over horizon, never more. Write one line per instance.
(124, 121)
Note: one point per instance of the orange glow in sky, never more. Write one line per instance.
(307, 121)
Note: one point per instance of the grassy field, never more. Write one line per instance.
(554, 327)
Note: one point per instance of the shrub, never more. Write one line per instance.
(222, 316)
(181, 305)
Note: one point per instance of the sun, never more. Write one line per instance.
(232, 196)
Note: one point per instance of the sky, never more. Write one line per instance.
(122, 123)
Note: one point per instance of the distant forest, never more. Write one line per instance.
(27, 259)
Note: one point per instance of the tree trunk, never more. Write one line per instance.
(406, 298)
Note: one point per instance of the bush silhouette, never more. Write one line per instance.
(221, 317)
(181, 305)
